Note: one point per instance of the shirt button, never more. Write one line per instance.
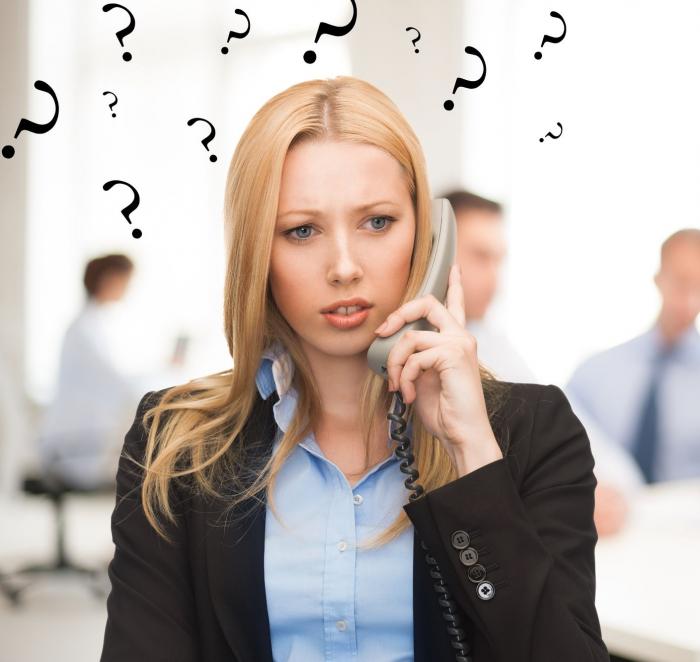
(485, 590)
(477, 573)
(341, 625)
(342, 546)
(468, 556)
(460, 539)
(357, 499)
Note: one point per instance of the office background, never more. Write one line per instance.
(592, 206)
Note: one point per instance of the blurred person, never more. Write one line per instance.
(481, 250)
(619, 477)
(82, 428)
(644, 392)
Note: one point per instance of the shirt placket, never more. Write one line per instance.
(338, 599)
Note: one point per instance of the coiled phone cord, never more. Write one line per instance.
(451, 611)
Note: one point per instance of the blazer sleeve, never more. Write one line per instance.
(536, 545)
(150, 608)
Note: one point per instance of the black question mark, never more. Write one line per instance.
(552, 40)
(333, 30)
(114, 103)
(26, 125)
(126, 31)
(413, 41)
(135, 233)
(237, 35)
(209, 138)
(551, 135)
(462, 82)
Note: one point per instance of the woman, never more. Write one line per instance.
(242, 495)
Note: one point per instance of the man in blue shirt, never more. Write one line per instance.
(645, 393)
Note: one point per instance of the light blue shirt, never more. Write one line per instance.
(325, 599)
(611, 386)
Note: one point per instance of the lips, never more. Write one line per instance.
(356, 301)
(345, 322)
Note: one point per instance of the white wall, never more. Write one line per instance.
(13, 72)
(585, 214)
(177, 72)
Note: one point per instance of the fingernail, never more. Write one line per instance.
(380, 328)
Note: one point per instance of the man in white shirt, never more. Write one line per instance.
(82, 429)
(481, 249)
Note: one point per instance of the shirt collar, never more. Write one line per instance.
(275, 372)
(687, 345)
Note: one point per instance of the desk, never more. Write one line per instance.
(648, 577)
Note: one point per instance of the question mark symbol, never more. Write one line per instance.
(551, 135)
(413, 41)
(135, 233)
(26, 125)
(209, 138)
(237, 35)
(126, 31)
(114, 103)
(462, 82)
(333, 30)
(552, 40)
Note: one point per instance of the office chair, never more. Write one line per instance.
(55, 489)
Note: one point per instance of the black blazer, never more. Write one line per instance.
(529, 515)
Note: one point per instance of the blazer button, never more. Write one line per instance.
(468, 556)
(476, 573)
(485, 590)
(460, 539)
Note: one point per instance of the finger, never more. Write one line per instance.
(415, 366)
(411, 342)
(427, 307)
(455, 295)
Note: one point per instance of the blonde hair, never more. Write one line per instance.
(199, 437)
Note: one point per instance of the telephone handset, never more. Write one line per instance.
(442, 256)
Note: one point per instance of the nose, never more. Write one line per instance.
(344, 261)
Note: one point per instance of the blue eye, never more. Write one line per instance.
(298, 240)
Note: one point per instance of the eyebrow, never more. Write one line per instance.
(316, 212)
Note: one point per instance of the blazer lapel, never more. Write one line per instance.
(235, 549)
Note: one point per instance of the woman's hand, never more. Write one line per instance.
(440, 371)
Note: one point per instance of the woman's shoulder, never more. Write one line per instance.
(543, 434)
(524, 399)
(518, 402)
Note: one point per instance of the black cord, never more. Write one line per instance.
(451, 612)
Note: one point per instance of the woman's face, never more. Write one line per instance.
(326, 248)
